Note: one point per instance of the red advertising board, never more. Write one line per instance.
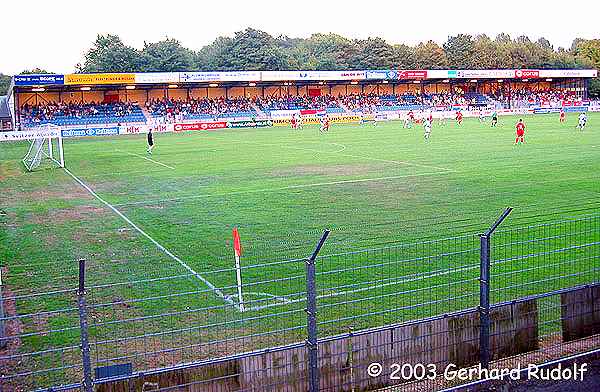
(412, 74)
(527, 73)
(200, 126)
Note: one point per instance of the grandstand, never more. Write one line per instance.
(122, 266)
(5, 117)
(77, 100)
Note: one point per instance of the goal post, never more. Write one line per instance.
(46, 143)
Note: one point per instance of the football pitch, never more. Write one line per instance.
(155, 231)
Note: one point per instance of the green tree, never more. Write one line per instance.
(485, 54)
(324, 52)
(587, 52)
(4, 83)
(166, 56)
(35, 71)
(430, 55)
(404, 57)
(109, 54)
(249, 50)
(373, 53)
(459, 51)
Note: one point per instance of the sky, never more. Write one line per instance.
(55, 34)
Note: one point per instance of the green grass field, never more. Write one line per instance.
(382, 190)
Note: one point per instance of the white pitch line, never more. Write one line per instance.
(158, 245)
(148, 159)
(347, 155)
(299, 186)
(399, 162)
(285, 301)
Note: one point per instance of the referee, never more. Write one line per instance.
(150, 141)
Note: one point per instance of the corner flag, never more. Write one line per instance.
(237, 248)
(237, 245)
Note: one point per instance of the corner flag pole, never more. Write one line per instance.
(237, 247)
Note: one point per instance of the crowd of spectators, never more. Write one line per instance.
(52, 110)
(176, 109)
(525, 97)
(215, 107)
(293, 102)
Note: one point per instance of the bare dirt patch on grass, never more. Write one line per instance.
(75, 213)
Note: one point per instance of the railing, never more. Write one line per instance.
(340, 321)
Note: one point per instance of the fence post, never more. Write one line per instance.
(83, 326)
(311, 316)
(484, 300)
(484, 290)
(3, 337)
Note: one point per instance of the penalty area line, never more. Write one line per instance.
(277, 189)
(148, 159)
(218, 292)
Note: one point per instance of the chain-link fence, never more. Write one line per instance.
(403, 316)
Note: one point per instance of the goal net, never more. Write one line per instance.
(46, 145)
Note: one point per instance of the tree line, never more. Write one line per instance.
(253, 49)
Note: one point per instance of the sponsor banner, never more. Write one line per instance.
(412, 74)
(305, 112)
(568, 73)
(101, 78)
(132, 129)
(161, 128)
(199, 126)
(379, 75)
(143, 128)
(234, 76)
(29, 134)
(315, 120)
(39, 80)
(397, 74)
(481, 73)
(241, 76)
(80, 132)
(271, 76)
(187, 77)
(437, 74)
(275, 114)
(572, 103)
(527, 73)
(157, 77)
(249, 124)
(545, 110)
(576, 109)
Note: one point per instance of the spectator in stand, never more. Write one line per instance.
(51, 110)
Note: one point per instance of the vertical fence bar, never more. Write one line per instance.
(3, 340)
(311, 316)
(484, 300)
(83, 325)
(484, 289)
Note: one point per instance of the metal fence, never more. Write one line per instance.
(396, 316)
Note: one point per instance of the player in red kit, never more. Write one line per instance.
(563, 116)
(459, 117)
(520, 132)
(324, 124)
(411, 115)
(294, 122)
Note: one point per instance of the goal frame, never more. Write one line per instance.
(42, 140)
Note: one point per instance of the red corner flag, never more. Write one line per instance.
(237, 245)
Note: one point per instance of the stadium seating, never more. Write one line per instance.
(81, 114)
(202, 108)
(73, 114)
